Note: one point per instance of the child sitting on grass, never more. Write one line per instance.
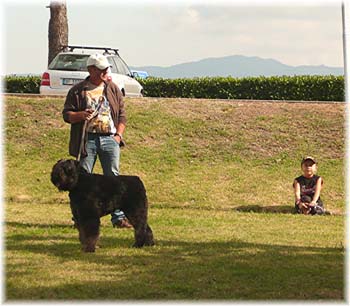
(307, 189)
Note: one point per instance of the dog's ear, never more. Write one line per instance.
(76, 165)
(60, 161)
(71, 166)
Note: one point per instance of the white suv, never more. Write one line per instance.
(69, 68)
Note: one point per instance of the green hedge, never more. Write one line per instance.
(20, 84)
(305, 88)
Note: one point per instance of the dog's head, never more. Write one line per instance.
(65, 174)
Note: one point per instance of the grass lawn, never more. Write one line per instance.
(218, 176)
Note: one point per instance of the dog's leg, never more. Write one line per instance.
(80, 228)
(89, 234)
(149, 241)
(142, 231)
(75, 217)
(82, 237)
(140, 235)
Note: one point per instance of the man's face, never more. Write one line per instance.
(98, 74)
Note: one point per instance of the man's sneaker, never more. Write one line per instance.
(124, 223)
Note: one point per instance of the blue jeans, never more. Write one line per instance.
(108, 151)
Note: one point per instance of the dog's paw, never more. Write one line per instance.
(149, 243)
(88, 249)
(145, 243)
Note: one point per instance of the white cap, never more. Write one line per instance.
(308, 158)
(98, 60)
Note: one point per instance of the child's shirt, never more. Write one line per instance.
(308, 186)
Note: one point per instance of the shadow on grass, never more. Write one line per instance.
(282, 209)
(39, 225)
(274, 209)
(176, 270)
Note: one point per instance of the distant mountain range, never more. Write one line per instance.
(236, 66)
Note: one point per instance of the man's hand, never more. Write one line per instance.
(117, 138)
(87, 114)
(75, 117)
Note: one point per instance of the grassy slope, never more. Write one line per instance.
(205, 165)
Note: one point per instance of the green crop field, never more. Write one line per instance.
(219, 179)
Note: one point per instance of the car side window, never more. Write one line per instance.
(122, 68)
(114, 67)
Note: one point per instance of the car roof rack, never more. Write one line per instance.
(107, 49)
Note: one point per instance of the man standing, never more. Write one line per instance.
(99, 104)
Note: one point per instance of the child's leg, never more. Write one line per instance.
(297, 209)
(318, 209)
(303, 206)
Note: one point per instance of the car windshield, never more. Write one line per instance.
(70, 62)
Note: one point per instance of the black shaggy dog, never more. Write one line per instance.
(93, 196)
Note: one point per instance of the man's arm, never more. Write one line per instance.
(120, 130)
(71, 113)
(74, 117)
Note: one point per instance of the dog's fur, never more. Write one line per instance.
(93, 196)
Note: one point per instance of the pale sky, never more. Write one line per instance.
(159, 34)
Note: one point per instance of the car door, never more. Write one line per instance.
(115, 76)
(132, 87)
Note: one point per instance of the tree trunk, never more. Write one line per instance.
(58, 28)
